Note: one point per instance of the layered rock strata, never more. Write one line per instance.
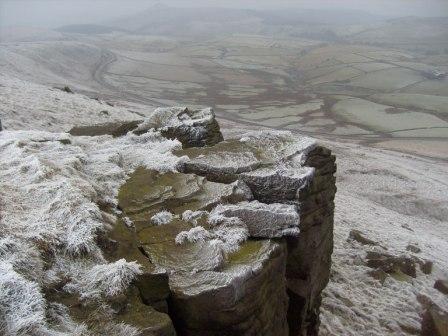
(239, 240)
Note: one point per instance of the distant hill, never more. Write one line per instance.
(407, 31)
(165, 20)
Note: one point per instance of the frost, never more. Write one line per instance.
(232, 224)
(231, 237)
(280, 145)
(22, 306)
(162, 218)
(104, 280)
(194, 235)
(262, 220)
(51, 184)
(167, 117)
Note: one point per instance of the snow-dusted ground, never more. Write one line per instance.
(50, 188)
(394, 199)
(25, 105)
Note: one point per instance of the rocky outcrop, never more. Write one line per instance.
(309, 254)
(193, 128)
(239, 240)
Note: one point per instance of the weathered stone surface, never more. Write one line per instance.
(245, 291)
(426, 266)
(441, 286)
(152, 283)
(270, 164)
(148, 192)
(378, 274)
(309, 254)
(248, 297)
(398, 266)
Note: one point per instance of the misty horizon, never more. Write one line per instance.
(53, 14)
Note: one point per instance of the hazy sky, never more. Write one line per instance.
(53, 13)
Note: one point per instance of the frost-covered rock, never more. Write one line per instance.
(194, 128)
(274, 184)
(194, 235)
(263, 220)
